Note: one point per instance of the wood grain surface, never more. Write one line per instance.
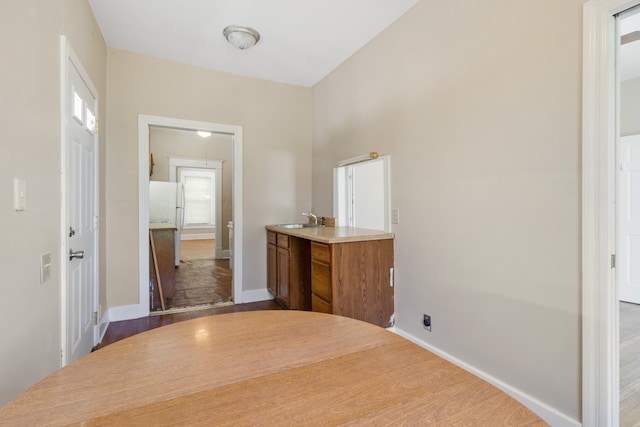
(265, 368)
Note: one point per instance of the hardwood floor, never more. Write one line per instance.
(126, 328)
(629, 365)
(200, 279)
(197, 249)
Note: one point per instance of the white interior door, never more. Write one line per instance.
(629, 219)
(81, 214)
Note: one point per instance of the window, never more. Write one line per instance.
(91, 121)
(77, 106)
(199, 200)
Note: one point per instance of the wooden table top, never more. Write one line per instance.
(265, 368)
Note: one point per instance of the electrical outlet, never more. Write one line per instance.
(426, 322)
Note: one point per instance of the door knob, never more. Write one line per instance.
(77, 254)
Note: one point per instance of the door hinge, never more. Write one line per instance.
(95, 317)
(613, 260)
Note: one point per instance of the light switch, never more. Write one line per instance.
(19, 194)
(395, 216)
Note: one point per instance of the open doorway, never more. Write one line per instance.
(199, 165)
(146, 162)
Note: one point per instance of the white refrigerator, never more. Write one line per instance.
(166, 205)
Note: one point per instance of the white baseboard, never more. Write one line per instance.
(126, 312)
(103, 325)
(222, 253)
(135, 311)
(549, 414)
(255, 296)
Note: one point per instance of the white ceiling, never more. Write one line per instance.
(301, 41)
(630, 52)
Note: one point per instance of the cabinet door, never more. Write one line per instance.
(319, 305)
(321, 280)
(272, 268)
(283, 275)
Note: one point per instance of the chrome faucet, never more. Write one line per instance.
(311, 215)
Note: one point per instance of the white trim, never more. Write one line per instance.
(63, 201)
(176, 162)
(124, 312)
(600, 322)
(256, 295)
(544, 411)
(69, 57)
(144, 121)
(102, 326)
(130, 312)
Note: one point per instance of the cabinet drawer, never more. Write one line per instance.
(319, 305)
(320, 280)
(283, 240)
(271, 237)
(320, 252)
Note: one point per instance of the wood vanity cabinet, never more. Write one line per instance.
(288, 272)
(347, 277)
(353, 279)
(272, 251)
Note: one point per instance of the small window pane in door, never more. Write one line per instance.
(77, 107)
(91, 122)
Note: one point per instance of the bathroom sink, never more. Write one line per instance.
(299, 225)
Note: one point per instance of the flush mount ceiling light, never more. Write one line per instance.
(204, 133)
(241, 37)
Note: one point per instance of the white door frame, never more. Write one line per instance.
(144, 121)
(600, 312)
(68, 58)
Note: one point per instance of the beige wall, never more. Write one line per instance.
(165, 143)
(276, 121)
(31, 150)
(630, 107)
(478, 103)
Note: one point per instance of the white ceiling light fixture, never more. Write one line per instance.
(241, 37)
(204, 133)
